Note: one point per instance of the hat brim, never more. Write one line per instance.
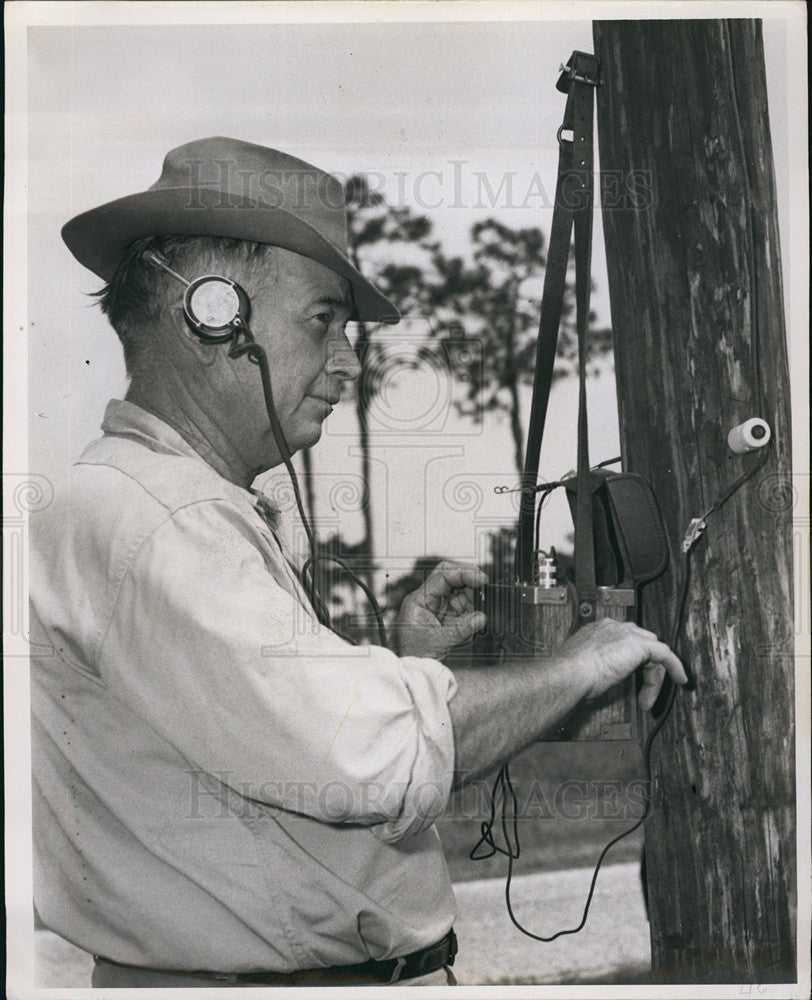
(99, 238)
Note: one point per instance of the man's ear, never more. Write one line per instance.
(190, 343)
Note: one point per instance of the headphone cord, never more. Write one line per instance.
(545, 489)
(255, 353)
(504, 786)
(307, 573)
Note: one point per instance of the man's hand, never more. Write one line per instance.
(607, 651)
(496, 713)
(439, 614)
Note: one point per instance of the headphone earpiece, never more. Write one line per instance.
(214, 307)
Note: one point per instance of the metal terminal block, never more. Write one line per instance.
(546, 569)
(532, 594)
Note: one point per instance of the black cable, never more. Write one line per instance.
(543, 487)
(537, 529)
(257, 355)
(547, 488)
(738, 483)
(503, 784)
(308, 568)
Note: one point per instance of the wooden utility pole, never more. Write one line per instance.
(689, 210)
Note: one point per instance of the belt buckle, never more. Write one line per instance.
(452, 947)
(400, 962)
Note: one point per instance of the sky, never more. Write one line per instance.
(454, 119)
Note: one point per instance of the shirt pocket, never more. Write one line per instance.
(321, 912)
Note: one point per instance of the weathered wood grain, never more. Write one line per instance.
(696, 297)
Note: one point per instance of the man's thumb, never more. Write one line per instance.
(467, 625)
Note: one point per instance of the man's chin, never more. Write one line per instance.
(314, 440)
(306, 439)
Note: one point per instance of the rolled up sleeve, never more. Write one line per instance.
(211, 646)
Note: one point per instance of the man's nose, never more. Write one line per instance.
(342, 359)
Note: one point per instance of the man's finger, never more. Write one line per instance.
(461, 601)
(653, 674)
(658, 652)
(466, 625)
(448, 576)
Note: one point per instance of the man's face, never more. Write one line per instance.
(299, 312)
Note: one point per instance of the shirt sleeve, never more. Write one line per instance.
(208, 645)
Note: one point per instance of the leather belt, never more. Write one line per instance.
(390, 970)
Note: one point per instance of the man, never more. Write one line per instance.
(226, 791)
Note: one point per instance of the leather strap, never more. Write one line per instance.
(573, 211)
(552, 300)
(391, 970)
(583, 155)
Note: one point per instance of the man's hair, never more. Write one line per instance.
(138, 294)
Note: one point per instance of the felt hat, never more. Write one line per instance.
(229, 188)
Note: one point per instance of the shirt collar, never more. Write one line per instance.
(128, 419)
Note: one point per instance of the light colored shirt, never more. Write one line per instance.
(220, 782)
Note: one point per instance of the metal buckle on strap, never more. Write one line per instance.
(397, 970)
(560, 134)
(452, 947)
(582, 67)
(426, 960)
